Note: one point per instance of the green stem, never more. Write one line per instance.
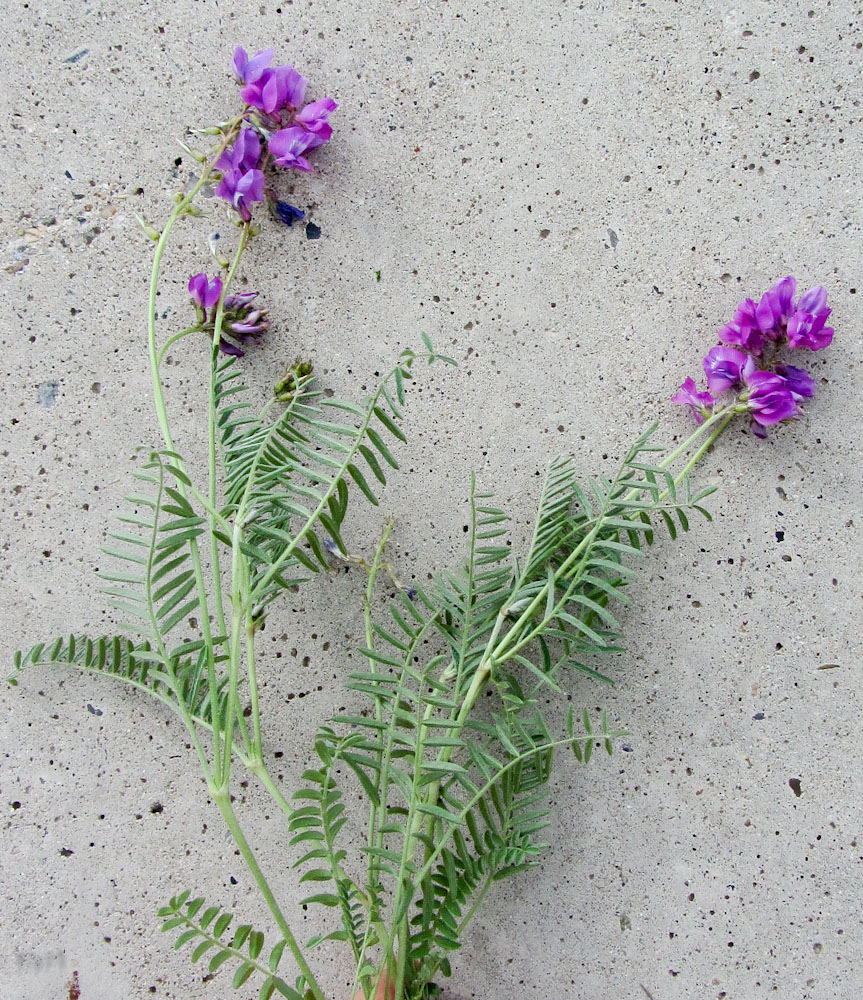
(702, 428)
(222, 799)
(367, 615)
(238, 565)
(474, 906)
(259, 769)
(160, 357)
(211, 428)
(253, 691)
(162, 416)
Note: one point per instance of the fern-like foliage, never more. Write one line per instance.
(457, 795)
(206, 928)
(287, 481)
(136, 664)
(154, 586)
(316, 824)
(286, 492)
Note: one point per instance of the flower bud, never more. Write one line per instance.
(295, 379)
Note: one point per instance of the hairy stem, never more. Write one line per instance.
(223, 800)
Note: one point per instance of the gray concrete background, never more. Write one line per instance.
(571, 198)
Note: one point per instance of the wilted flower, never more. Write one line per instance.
(240, 319)
(287, 213)
(798, 382)
(243, 322)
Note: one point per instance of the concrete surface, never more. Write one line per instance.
(571, 198)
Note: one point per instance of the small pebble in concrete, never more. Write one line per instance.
(47, 393)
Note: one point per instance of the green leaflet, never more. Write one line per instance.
(208, 934)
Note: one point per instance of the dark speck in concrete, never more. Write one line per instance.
(794, 783)
(313, 232)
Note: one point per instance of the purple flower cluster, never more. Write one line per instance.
(241, 320)
(773, 393)
(775, 316)
(274, 98)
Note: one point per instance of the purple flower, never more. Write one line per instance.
(252, 323)
(775, 316)
(798, 382)
(726, 368)
(699, 401)
(813, 301)
(276, 89)
(781, 301)
(289, 144)
(806, 328)
(240, 319)
(770, 400)
(249, 70)
(245, 153)
(744, 330)
(205, 293)
(240, 189)
(243, 322)
(240, 301)
(314, 116)
(767, 319)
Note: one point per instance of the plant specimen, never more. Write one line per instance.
(453, 782)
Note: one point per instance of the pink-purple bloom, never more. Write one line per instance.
(775, 316)
(241, 188)
(726, 368)
(700, 402)
(275, 96)
(807, 328)
(289, 144)
(774, 393)
(275, 90)
(770, 400)
(314, 116)
(244, 155)
(249, 70)
(205, 293)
